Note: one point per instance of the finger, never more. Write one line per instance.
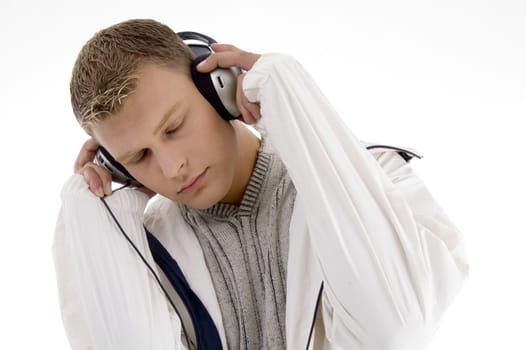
(246, 117)
(93, 180)
(254, 111)
(226, 59)
(86, 154)
(98, 179)
(251, 110)
(224, 47)
(241, 102)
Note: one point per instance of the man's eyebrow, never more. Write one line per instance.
(165, 119)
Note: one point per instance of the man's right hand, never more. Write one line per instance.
(98, 178)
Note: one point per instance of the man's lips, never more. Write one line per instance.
(188, 186)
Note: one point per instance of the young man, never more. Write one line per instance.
(301, 239)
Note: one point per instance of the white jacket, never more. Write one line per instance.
(364, 226)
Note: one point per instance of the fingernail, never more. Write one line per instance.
(107, 190)
(202, 63)
(99, 192)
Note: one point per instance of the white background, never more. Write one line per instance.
(445, 77)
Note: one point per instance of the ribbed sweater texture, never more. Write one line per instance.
(246, 249)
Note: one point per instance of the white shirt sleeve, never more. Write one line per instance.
(392, 261)
(108, 298)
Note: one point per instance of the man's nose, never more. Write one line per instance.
(172, 165)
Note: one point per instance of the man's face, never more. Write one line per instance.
(169, 137)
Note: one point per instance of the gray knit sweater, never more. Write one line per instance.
(245, 249)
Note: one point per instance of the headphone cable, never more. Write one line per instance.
(146, 263)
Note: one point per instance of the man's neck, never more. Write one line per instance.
(248, 145)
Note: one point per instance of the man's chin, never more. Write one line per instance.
(199, 202)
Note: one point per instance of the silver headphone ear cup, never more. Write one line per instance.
(219, 88)
(225, 85)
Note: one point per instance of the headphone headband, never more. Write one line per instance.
(188, 35)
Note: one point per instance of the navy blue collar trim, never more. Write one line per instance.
(205, 329)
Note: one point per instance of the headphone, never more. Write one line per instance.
(218, 87)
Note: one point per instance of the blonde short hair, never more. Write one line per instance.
(105, 71)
